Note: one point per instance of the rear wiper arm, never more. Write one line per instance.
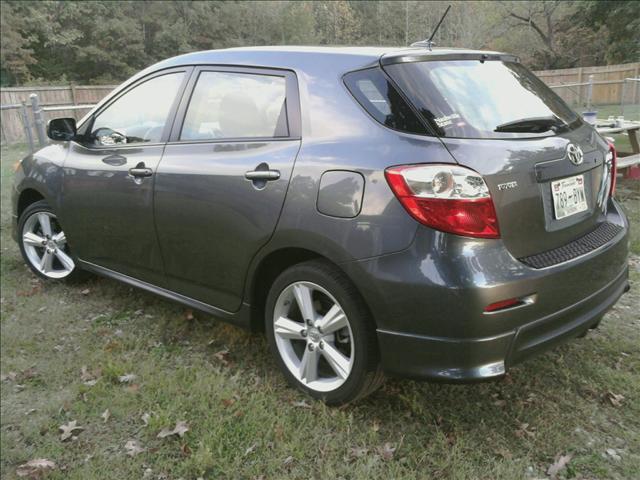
(533, 124)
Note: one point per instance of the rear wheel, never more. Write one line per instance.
(321, 335)
(43, 243)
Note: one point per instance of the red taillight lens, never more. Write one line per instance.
(614, 170)
(446, 197)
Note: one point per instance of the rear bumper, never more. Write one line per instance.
(428, 302)
(465, 360)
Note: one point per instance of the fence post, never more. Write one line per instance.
(73, 94)
(38, 117)
(622, 95)
(27, 126)
(589, 93)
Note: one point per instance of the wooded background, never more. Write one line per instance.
(91, 42)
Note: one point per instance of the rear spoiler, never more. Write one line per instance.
(424, 55)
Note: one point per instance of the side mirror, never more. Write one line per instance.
(61, 129)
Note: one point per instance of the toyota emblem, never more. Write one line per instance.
(575, 154)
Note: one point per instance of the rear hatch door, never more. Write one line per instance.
(543, 165)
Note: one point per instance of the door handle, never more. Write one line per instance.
(262, 175)
(140, 171)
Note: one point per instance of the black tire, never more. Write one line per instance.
(366, 374)
(38, 207)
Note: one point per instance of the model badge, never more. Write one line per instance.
(507, 186)
(575, 154)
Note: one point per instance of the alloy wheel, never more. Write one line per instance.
(45, 245)
(313, 336)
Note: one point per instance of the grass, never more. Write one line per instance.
(244, 422)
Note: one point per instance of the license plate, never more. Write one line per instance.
(568, 196)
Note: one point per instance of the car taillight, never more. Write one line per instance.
(612, 158)
(450, 198)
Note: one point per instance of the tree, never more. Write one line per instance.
(15, 55)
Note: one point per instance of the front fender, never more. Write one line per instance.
(42, 172)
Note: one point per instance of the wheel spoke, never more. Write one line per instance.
(309, 365)
(286, 328)
(305, 303)
(45, 223)
(334, 319)
(60, 239)
(65, 260)
(338, 362)
(46, 262)
(33, 239)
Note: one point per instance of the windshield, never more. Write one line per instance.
(474, 99)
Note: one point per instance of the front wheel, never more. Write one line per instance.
(43, 243)
(321, 334)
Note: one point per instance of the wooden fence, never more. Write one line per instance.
(609, 87)
(12, 126)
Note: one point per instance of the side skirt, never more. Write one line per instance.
(240, 318)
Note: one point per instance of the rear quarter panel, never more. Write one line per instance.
(337, 134)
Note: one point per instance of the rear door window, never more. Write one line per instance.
(381, 100)
(482, 99)
(229, 105)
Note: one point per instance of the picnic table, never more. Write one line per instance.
(627, 161)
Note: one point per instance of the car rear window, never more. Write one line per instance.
(381, 100)
(480, 99)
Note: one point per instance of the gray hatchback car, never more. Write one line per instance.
(433, 214)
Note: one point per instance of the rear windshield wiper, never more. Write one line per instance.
(533, 125)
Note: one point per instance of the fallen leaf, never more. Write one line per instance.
(27, 374)
(36, 468)
(127, 378)
(376, 426)
(222, 356)
(504, 453)
(386, 451)
(68, 429)
(145, 418)
(133, 448)
(251, 449)
(227, 402)
(11, 376)
(559, 464)
(86, 291)
(614, 398)
(133, 388)
(301, 404)
(613, 454)
(288, 460)
(357, 452)
(105, 415)
(85, 376)
(180, 429)
(525, 431)
(188, 314)
(185, 450)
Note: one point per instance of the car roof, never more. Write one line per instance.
(308, 57)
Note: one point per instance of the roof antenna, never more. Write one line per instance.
(429, 43)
